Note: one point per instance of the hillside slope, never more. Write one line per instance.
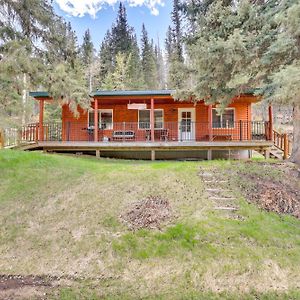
(60, 220)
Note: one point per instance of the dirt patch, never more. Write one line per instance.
(17, 281)
(150, 213)
(281, 196)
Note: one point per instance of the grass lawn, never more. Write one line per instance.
(59, 216)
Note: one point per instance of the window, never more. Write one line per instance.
(144, 119)
(105, 119)
(225, 120)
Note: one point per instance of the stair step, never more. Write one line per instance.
(222, 198)
(226, 208)
(216, 181)
(217, 190)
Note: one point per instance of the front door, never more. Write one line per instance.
(186, 118)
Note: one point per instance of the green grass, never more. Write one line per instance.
(59, 215)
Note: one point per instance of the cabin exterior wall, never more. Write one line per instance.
(74, 128)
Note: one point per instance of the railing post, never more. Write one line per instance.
(1, 138)
(68, 131)
(270, 122)
(152, 120)
(210, 125)
(123, 135)
(285, 146)
(41, 121)
(241, 130)
(96, 120)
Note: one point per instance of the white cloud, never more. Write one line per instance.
(79, 8)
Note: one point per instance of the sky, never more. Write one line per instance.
(98, 15)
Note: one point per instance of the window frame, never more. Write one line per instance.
(221, 120)
(99, 117)
(157, 109)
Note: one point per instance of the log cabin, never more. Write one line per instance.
(151, 124)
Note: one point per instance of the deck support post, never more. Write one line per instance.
(41, 120)
(209, 154)
(96, 120)
(98, 153)
(267, 153)
(152, 120)
(270, 123)
(210, 125)
(152, 155)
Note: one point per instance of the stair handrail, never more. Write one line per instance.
(282, 142)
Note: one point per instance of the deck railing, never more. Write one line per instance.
(141, 131)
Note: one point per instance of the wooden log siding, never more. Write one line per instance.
(74, 129)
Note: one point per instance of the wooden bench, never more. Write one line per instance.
(222, 137)
(123, 135)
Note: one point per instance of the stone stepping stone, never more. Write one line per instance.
(215, 181)
(218, 190)
(222, 198)
(226, 208)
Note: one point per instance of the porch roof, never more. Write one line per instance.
(39, 94)
(106, 93)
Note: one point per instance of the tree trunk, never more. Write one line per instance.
(295, 157)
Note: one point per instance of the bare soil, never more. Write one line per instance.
(150, 213)
(281, 196)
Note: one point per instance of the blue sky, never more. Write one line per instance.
(98, 15)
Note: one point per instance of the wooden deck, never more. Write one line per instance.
(140, 146)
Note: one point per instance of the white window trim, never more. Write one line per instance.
(99, 116)
(220, 128)
(163, 118)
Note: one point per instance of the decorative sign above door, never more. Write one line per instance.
(138, 106)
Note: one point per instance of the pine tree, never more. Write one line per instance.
(120, 39)
(148, 61)
(176, 66)
(120, 79)
(247, 46)
(87, 54)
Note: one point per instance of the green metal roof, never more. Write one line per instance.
(39, 94)
(133, 93)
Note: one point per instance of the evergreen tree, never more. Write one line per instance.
(87, 54)
(120, 79)
(251, 45)
(120, 39)
(160, 66)
(148, 61)
(176, 66)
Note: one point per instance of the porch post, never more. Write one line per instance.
(210, 125)
(41, 120)
(96, 120)
(152, 120)
(270, 123)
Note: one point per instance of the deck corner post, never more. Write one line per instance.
(270, 122)
(267, 153)
(210, 125)
(152, 120)
(2, 139)
(96, 120)
(153, 155)
(209, 154)
(41, 121)
(98, 154)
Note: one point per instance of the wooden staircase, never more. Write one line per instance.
(282, 147)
